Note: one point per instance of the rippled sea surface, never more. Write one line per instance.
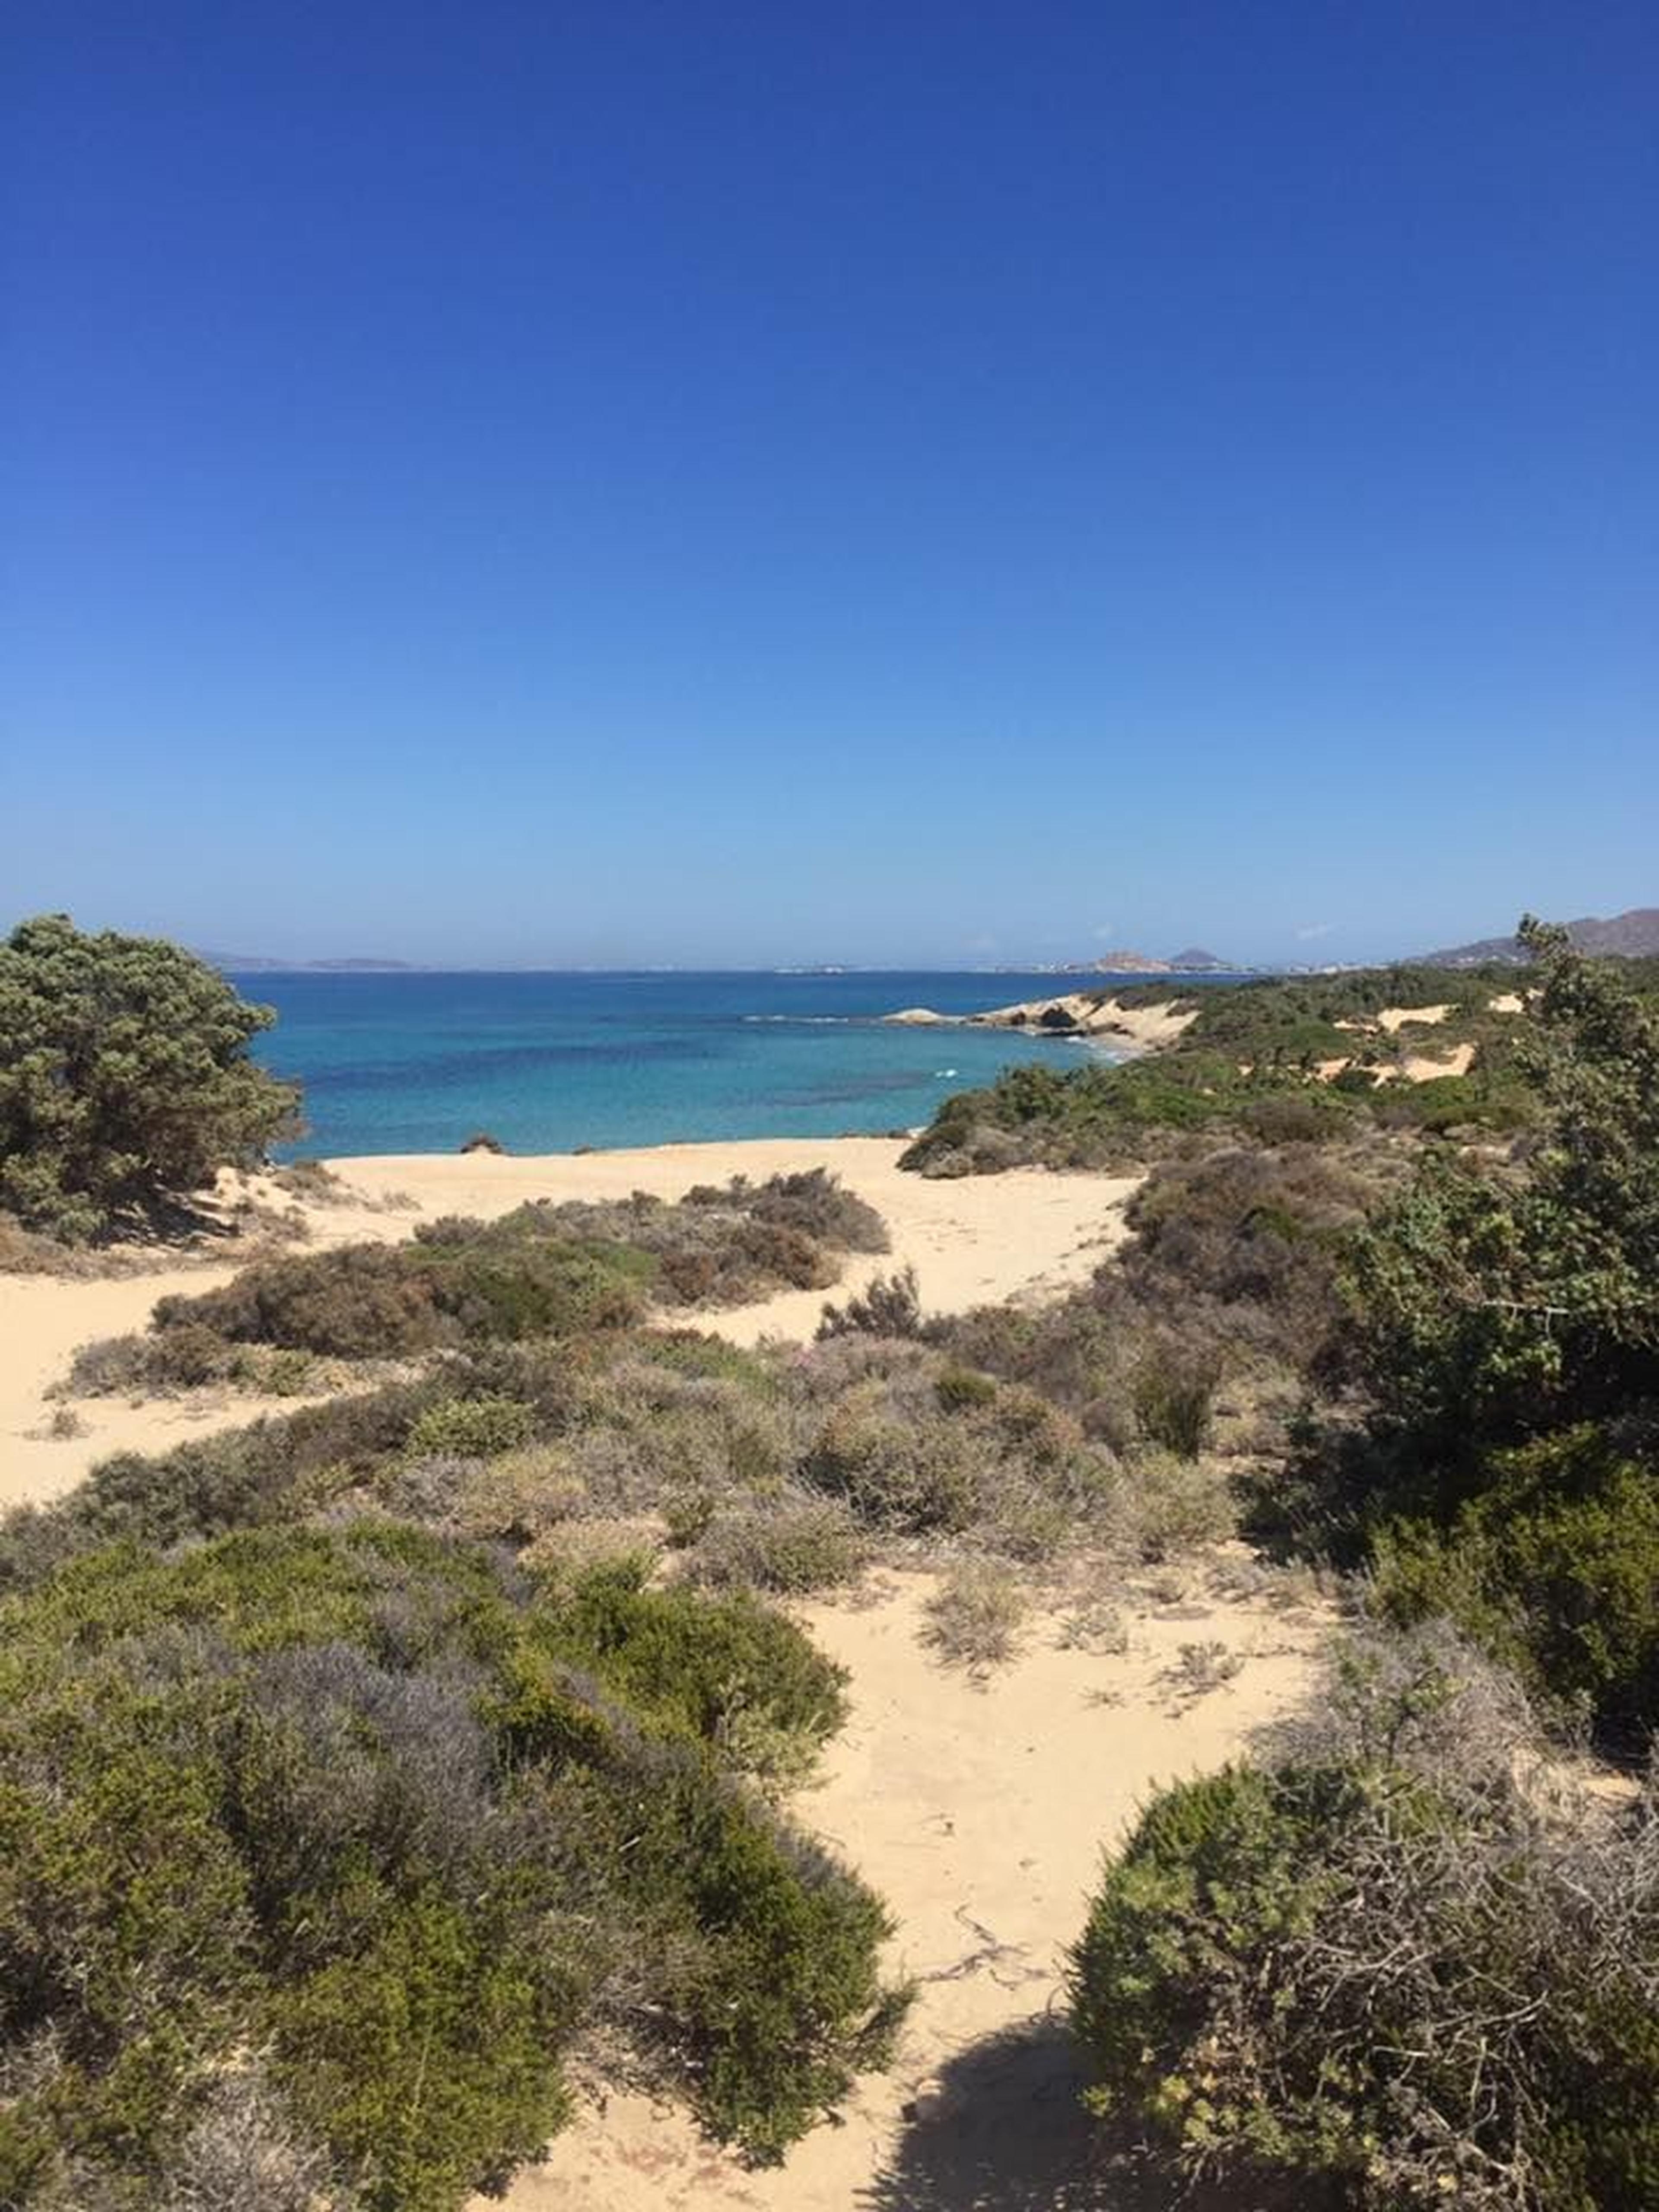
(417, 1062)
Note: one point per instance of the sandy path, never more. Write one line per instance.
(971, 1240)
(980, 1815)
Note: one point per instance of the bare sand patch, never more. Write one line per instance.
(980, 1814)
(1424, 1067)
(972, 1241)
(43, 1321)
(1398, 1017)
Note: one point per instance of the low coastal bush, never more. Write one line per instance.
(974, 1616)
(347, 1833)
(1173, 1389)
(471, 1428)
(890, 1305)
(782, 1466)
(1395, 1968)
(788, 1545)
(813, 1201)
(540, 1271)
(1170, 1503)
(456, 1283)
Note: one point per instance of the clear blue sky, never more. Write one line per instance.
(751, 483)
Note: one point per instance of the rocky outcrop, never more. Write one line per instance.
(1075, 1013)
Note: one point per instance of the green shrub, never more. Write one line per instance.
(1303, 1116)
(1166, 1505)
(1174, 1391)
(423, 2056)
(964, 1389)
(693, 1662)
(1492, 1308)
(1494, 1451)
(1375, 1972)
(363, 1803)
(790, 1545)
(899, 1474)
(471, 1428)
(1555, 1566)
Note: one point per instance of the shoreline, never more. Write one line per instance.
(978, 1240)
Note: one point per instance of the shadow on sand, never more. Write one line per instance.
(1005, 2130)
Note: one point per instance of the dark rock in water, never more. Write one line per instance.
(482, 1141)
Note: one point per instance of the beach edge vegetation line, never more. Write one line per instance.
(126, 1081)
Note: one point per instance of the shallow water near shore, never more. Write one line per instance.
(416, 1062)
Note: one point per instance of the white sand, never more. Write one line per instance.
(971, 1240)
(980, 1815)
(1398, 1017)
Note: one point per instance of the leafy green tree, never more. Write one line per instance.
(125, 1075)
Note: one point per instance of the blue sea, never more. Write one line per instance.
(416, 1062)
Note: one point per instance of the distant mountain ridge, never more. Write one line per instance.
(258, 963)
(1632, 936)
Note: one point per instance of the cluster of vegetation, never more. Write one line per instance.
(1399, 1965)
(124, 1079)
(1252, 1066)
(542, 1271)
(319, 1846)
(1201, 1333)
(1403, 1964)
(778, 1469)
(1495, 1447)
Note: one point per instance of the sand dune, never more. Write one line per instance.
(973, 1240)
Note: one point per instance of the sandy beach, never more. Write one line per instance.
(972, 1241)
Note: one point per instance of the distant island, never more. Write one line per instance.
(1193, 961)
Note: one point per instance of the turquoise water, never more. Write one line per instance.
(415, 1063)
